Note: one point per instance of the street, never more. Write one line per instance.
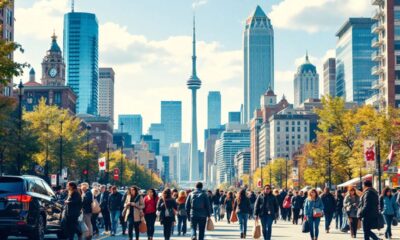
(281, 230)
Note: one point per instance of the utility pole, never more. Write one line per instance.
(59, 175)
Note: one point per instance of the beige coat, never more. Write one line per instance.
(138, 210)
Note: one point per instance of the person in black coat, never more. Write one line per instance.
(297, 205)
(167, 207)
(339, 209)
(73, 205)
(114, 207)
(329, 207)
(104, 195)
(243, 209)
(369, 210)
(267, 209)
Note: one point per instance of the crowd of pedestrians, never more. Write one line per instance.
(87, 210)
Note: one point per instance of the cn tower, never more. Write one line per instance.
(193, 84)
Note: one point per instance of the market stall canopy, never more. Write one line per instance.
(355, 181)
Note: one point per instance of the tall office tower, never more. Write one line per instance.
(353, 57)
(386, 54)
(234, 117)
(306, 82)
(214, 109)
(194, 84)
(106, 93)
(330, 77)
(171, 118)
(7, 33)
(157, 130)
(179, 154)
(81, 44)
(258, 46)
(132, 124)
(235, 138)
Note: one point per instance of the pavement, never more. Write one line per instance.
(280, 231)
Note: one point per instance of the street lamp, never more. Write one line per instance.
(378, 162)
(61, 153)
(330, 130)
(270, 172)
(108, 164)
(20, 94)
(286, 165)
(87, 151)
(46, 164)
(262, 178)
(122, 153)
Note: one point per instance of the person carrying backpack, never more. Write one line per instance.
(198, 209)
(182, 214)
(167, 207)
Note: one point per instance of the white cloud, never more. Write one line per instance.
(147, 71)
(198, 3)
(317, 15)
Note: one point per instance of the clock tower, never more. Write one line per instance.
(53, 66)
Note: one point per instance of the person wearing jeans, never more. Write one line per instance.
(215, 200)
(242, 208)
(389, 208)
(87, 199)
(266, 208)
(114, 206)
(312, 206)
(329, 203)
(182, 214)
(198, 209)
(351, 202)
(339, 209)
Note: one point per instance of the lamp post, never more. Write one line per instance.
(46, 164)
(378, 162)
(87, 151)
(151, 177)
(61, 153)
(329, 165)
(20, 94)
(262, 178)
(108, 164)
(286, 165)
(122, 153)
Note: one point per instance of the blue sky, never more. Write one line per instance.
(148, 45)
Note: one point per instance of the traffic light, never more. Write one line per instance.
(85, 172)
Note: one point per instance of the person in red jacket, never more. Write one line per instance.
(150, 209)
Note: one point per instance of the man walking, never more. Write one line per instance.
(267, 209)
(87, 199)
(329, 207)
(104, 208)
(114, 206)
(369, 210)
(198, 209)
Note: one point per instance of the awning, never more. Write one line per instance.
(355, 181)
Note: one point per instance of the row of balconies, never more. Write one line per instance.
(378, 2)
(377, 27)
(377, 70)
(377, 56)
(377, 42)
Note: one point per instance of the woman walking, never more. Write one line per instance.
(389, 209)
(215, 200)
(313, 211)
(73, 206)
(182, 214)
(242, 207)
(167, 207)
(351, 202)
(133, 211)
(229, 205)
(150, 209)
(96, 195)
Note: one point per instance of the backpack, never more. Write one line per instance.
(169, 212)
(182, 210)
(197, 201)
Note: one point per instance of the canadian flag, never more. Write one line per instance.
(102, 164)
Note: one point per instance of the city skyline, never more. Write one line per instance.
(221, 53)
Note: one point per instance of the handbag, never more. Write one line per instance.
(82, 228)
(143, 226)
(95, 206)
(317, 213)
(234, 217)
(380, 223)
(210, 225)
(305, 228)
(256, 230)
(222, 211)
(395, 222)
(359, 224)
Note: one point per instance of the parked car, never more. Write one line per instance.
(28, 207)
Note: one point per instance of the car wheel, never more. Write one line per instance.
(38, 232)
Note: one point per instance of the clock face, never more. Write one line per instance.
(53, 72)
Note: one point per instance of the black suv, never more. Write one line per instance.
(28, 207)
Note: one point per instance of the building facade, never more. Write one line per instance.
(386, 55)
(214, 109)
(131, 124)
(7, 33)
(171, 118)
(235, 138)
(234, 117)
(157, 130)
(179, 154)
(329, 68)
(210, 138)
(258, 47)
(106, 92)
(81, 44)
(306, 82)
(242, 162)
(353, 56)
(100, 132)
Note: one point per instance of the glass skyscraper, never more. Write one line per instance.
(353, 59)
(171, 118)
(258, 47)
(132, 124)
(81, 40)
(214, 109)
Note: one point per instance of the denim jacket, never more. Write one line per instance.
(309, 206)
(389, 205)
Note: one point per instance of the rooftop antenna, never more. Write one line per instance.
(72, 5)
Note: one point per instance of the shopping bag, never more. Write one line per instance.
(256, 230)
(359, 224)
(143, 226)
(210, 225)
(395, 222)
(305, 228)
(234, 217)
(222, 210)
(82, 228)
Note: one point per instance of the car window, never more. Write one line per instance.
(11, 185)
(48, 189)
(36, 187)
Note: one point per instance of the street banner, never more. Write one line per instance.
(369, 153)
(259, 183)
(102, 164)
(295, 173)
(398, 171)
(395, 181)
(64, 173)
(53, 179)
(116, 173)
